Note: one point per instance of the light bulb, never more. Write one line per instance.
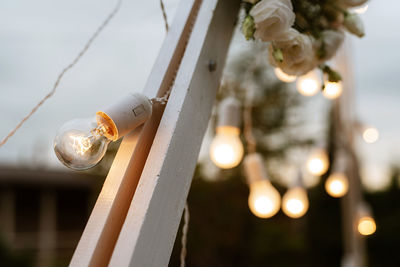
(308, 84)
(264, 199)
(370, 135)
(318, 162)
(295, 202)
(361, 9)
(81, 144)
(283, 76)
(366, 225)
(337, 184)
(332, 90)
(226, 149)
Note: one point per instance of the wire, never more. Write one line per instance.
(164, 13)
(185, 229)
(65, 70)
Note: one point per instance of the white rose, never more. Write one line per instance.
(353, 3)
(297, 50)
(354, 25)
(272, 18)
(331, 41)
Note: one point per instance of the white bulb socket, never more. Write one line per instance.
(229, 113)
(125, 115)
(254, 168)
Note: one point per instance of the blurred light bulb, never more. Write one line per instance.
(283, 76)
(370, 135)
(337, 185)
(295, 202)
(332, 90)
(264, 199)
(226, 149)
(366, 225)
(318, 162)
(308, 84)
(81, 144)
(360, 10)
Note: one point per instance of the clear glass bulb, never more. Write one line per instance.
(309, 84)
(337, 184)
(264, 199)
(370, 135)
(366, 225)
(81, 144)
(332, 90)
(283, 76)
(295, 202)
(226, 150)
(318, 162)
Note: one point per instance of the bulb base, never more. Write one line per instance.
(125, 115)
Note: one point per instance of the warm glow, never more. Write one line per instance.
(81, 144)
(361, 10)
(295, 202)
(332, 90)
(318, 162)
(337, 185)
(366, 225)
(264, 199)
(371, 135)
(226, 149)
(283, 76)
(309, 84)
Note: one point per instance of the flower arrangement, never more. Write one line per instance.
(303, 34)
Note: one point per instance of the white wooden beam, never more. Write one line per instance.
(150, 227)
(101, 232)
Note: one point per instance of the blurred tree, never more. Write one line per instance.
(223, 231)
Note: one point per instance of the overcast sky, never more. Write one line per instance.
(38, 38)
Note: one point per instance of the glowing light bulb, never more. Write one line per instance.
(81, 144)
(337, 185)
(370, 135)
(361, 10)
(309, 84)
(264, 199)
(332, 90)
(318, 162)
(283, 76)
(366, 225)
(226, 149)
(295, 202)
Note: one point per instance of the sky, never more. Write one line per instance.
(40, 38)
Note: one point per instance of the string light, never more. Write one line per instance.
(318, 162)
(370, 135)
(332, 90)
(309, 84)
(81, 144)
(366, 224)
(295, 202)
(226, 150)
(361, 10)
(283, 76)
(337, 185)
(264, 200)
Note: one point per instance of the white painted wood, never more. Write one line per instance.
(150, 227)
(101, 232)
